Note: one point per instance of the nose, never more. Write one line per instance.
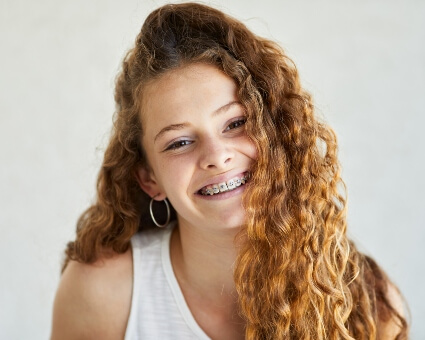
(215, 154)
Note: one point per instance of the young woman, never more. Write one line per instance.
(216, 143)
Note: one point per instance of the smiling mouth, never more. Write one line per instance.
(219, 188)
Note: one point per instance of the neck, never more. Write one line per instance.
(203, 262)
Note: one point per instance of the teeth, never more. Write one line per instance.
(215, 188)
(231, 184)
(223, 187)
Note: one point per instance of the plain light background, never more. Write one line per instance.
(363, 61)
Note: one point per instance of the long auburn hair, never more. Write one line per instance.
(297, 275)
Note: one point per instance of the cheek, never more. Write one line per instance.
(249, 149)
(177, 188)
(175, 175)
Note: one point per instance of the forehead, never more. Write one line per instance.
(192, 88)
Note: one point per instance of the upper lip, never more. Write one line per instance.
(221, 178)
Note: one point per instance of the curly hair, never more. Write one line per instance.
(297, 275)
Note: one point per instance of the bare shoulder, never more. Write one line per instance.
(93, 300)
(389, 325)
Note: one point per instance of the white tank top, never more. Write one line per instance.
(158, 308)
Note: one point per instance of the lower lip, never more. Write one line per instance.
(224, 195)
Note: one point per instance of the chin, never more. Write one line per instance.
(232, 220)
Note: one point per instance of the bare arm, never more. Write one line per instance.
(93, 300)
(389, 325)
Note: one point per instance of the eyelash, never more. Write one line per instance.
(239, 122)
(177, 145)
(184, 142)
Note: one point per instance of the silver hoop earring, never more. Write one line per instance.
(168, 213)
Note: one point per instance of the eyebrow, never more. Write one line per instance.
(175, 127)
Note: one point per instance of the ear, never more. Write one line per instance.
(148, 183)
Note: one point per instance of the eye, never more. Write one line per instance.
(178, 144)
(235, 124)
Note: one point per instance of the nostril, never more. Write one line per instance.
(216, 157)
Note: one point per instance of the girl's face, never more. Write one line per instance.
(195, 142)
